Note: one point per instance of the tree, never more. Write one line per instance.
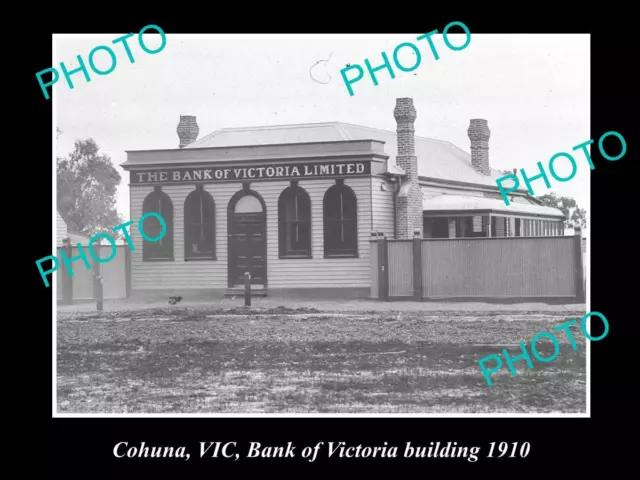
(58, 132)
(87, 186)
(575, 216)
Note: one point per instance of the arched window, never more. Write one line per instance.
(294, 223)
(248, 204)
(340, 221)
(160, 203)
(199, 225)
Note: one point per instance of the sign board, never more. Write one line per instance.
(240, 173)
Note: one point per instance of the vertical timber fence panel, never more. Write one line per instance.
(479, 268)
(115, 273)
(59, 287)
(502, 267)
(373, 248)
(383, 270)
(579, 270)
(400, 268)
(66, 279)
(83, 282)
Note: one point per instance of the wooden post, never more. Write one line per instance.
(97, 277)
(579, 270)
(99, 289)
(417, 266)
(67, 279)
(95, 272)
(383, 268)
(374, 240)
(247, 289)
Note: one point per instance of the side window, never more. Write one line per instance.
(294, 223)
(160, 203)
(199, 225)
(340, 211)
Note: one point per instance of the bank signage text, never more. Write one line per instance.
(272, 171)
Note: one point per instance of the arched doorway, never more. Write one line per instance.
(247, 242)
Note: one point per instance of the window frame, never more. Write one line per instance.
(292, 192)
(189, 256)
(159, 251)
(351, 252)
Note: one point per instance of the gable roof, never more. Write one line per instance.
(75, 236)
(436, 158)
(63, 216)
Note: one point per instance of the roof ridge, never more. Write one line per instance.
(316, 124)
(272, 127)
(395, 133)
(258, 128)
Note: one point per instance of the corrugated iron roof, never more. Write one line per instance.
(75, 238)
(64, 217)
(436, 158)
(460, 202)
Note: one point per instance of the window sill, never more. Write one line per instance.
(199, 259)
(158, 259)
(341, 255)
(293, 257)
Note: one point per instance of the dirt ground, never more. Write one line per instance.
(222, 359)
(328, 305)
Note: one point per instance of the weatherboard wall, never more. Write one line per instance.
(382, 203)
(61, 229)
(316, 272)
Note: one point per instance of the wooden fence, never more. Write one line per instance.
(82, 286)
(478, 268)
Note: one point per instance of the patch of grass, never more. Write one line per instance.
(360, 363)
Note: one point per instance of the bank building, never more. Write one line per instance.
(296, 206)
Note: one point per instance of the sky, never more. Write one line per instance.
(532, 89)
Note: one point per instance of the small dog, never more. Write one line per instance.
(174, 300)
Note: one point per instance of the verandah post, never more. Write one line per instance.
(417, 265)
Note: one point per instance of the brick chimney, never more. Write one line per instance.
(187, 130)
(409, 212)
(479, 134)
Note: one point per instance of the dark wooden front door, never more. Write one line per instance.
(247, 249)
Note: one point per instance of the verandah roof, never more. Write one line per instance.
(476, 205)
